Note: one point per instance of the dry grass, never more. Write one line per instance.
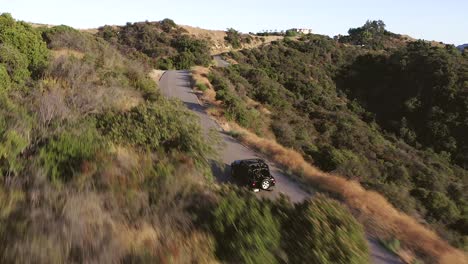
(156, 75)
(200, 75)
(67, 53)
(371, 208)
(124, 99)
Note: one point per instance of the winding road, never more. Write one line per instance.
(177, 84)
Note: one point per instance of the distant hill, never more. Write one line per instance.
(462, 47)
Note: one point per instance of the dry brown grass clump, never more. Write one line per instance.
(200, 75)
(371, 208)
(67, 53)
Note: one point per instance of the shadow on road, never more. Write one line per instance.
(195, 107)
(221, 172)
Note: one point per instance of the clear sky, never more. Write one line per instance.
(441, 20)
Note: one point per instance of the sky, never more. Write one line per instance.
(440, 20)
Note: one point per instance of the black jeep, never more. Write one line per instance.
(253, 173)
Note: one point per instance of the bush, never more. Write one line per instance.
(233, 37)
(63, 156)
(4, 79)
(65, 37)
(143, 83)
(202, 87)
(15, 63)
(15, 129)
(162, 44)
(245, 230)
(235, 108)
(165, 126)
(323, 231)
(26, 40)
(442, 208)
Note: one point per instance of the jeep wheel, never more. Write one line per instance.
(265, 184)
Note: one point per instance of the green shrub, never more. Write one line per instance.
(26, 40)
(63, 155)
(392, 244)
(184, 60)
(441, 207)
(162, 126)
(323, 231)
(15, 129)
(4, 79)
(235, 108)
(163, 44)
(15, 63)
(165, 64)
(202, 86)
(245, 230)
(330, 158)
(233, 37)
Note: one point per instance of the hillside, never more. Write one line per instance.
(326, 99)
(96, 166)
(389, 115)
(218, 41)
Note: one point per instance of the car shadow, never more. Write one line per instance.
(222, 173)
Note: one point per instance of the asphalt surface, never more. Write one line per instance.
(220, 62)
(177, 84)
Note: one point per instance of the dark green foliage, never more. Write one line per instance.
(168, 24)
(291, 33)
(245, 229)
(417, 93)
(15, 127)
(5, 81)
(235, 108)
(233, 37)
(249, 230)
(201, 86)
(322, 231)
(337, 105)
(28, 41)
(439, 206)
(371, 35)
(63, 156)
(15, 63)
(191, 52)
(65, 37)
(161, 44)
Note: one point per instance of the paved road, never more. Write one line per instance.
(178, 84)
(219, 61)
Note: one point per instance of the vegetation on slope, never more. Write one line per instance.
(163, 44)
(97, 166)
(343, 108)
